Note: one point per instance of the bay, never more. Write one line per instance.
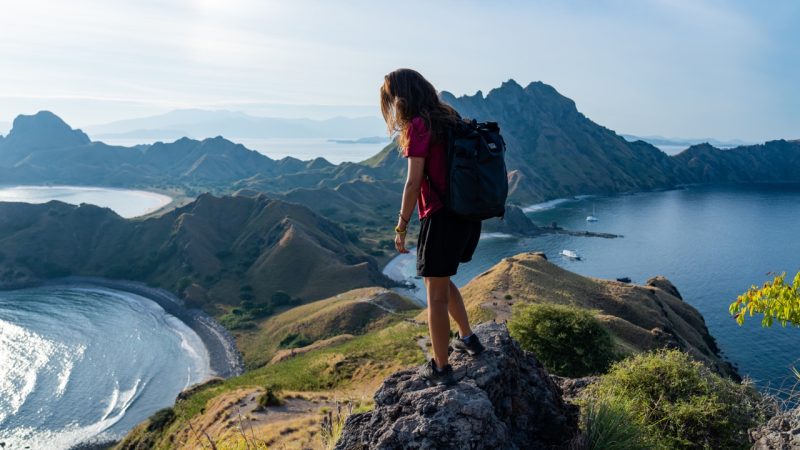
(80, 362)
(712, 242)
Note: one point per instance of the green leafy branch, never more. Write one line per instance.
(776, 300)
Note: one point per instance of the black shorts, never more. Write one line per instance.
(445, 240)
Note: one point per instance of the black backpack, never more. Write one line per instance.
(477, 183)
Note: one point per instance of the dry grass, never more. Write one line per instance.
(640, 317)
(354, 312)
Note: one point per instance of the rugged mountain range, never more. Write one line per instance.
(43, 149)
(553, 151)
(206, 250)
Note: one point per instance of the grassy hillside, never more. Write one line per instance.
(345, 345)
(350, 313)
(641, 318)
(309, 383)
(214, 251)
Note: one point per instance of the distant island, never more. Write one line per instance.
(660, 141)
(364, 140)
(199, 123)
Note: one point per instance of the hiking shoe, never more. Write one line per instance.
(429, 372)
(471, 345)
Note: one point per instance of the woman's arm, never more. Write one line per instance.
(416, 167)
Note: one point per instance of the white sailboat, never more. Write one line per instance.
(592, 217)
(571, 254)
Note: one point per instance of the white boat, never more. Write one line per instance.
(571, 254)
(592, 217)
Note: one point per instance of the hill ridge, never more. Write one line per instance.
(201, 250)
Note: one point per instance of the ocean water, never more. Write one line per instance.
(304, 149)
(125, 202)
(83, 362)
(307, 149)
(712, 242)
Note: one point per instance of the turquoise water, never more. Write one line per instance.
(82, 362)
(711, 242)
(125, 202)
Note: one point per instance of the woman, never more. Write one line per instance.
(412, 110)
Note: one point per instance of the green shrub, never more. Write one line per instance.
(160, 419)
(295, 340)
(607, 425)
(680, 403)
(234, 321)
(270, 397)
(567, 340)
(280, 298)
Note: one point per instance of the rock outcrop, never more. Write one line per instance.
(504, 399)
(513, 222)
(781, 432)
(641, 318)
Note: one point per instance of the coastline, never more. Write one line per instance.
(224, 358)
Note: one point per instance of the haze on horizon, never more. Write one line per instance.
(677, 68)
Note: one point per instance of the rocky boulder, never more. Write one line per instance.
(504, 399)
(665, 285)
(781, 432)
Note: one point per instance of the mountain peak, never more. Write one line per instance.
(44, 130)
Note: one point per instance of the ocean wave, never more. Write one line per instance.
(23, 355)
(547, 205)
(192, 346)
(67, 363)
(50, 349)
(74, 434)
(496, 236)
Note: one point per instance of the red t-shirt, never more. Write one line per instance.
(420, 144)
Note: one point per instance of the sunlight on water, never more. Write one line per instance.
(78, 362)
(127, 203)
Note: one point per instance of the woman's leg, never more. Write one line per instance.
(438, 322)
(458, 312)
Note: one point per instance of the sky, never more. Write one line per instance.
(676, 68)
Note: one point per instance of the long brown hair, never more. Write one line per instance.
(406, 94)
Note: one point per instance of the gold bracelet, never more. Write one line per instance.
(399, 230)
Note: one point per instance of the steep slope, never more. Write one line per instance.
(774, 161)
(555, 151)
(352, 313)
(42, 131)
(206, 250)
(312, 384)
(640, 317)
